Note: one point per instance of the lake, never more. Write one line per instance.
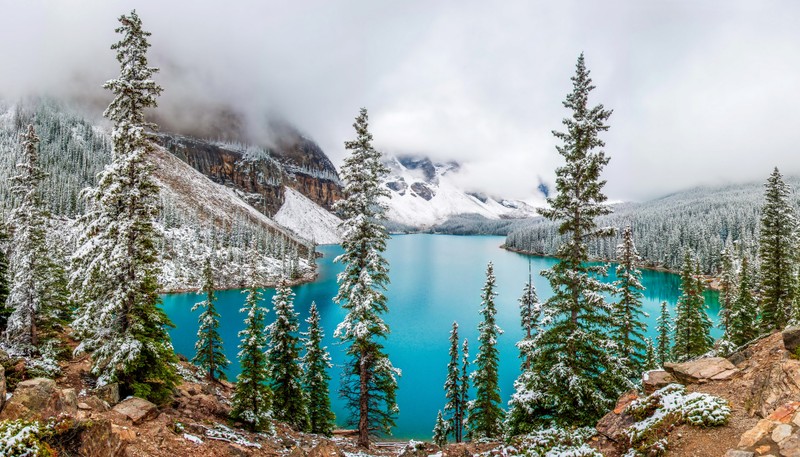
(435, 280)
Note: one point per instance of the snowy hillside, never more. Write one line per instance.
(424, 193)
(307, 219)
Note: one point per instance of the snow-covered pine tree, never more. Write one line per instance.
(210, 354)
(289, 401)
(564, 388)
(727, 290)
(452, 388)
(316, 363)
(530, 311)
(485, 414)
(369, 382)
(37, 298)
(4, 277)
(744, 325)
(441, 430)
(692, 326)
(663, 351)
(777, 246)
(464, 387)
(252, 397)
(629, 328)
(115, 274)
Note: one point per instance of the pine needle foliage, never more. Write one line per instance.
(485, 415)
(777, 249)
(692, 326)
(289, 401)
(210, 354)
(116, 267)
(576, 373)
(316, 363)
(369, 380)
(629, 328)
(252, 397)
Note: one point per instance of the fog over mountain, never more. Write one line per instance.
(702, 92)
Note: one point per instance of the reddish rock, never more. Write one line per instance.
(785, 413)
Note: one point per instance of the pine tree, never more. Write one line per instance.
(650, 356)
(744, 325)
(440, 431)
(629, 327)
(289, 402)
(36, 301)
(663, 352)
(115, 275)
(564, 388)
(692, 325)
(530, 311)
(727, 290)
(4, 277)
(485, 414)
(252, 397)
(210, 355)
(464, 387)
(777, 251)
(369, 381)
(316, 363)
(452, 388)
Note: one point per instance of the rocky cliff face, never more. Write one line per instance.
(260, 174)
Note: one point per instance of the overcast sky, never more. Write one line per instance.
(703, 92)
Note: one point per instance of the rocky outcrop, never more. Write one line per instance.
(614, 424)
(39, 398)
(656, 379)
(702, 370)
(260, 174)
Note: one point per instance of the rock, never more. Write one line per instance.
(136, 409)
(297, 452)
(701, 370)
(69, 401)
(791, 339)
(781, 432)
(98, 440)
(613, 424)
(763, 449)
(773, 387)
(656, 379)
(96, 404)
(412, 449)
(109, 393)
(785, 413)
(123, 433)
(735, 453)
(755, 434)
(37, 398)
(790, 447)
(325, 448)
(84, 407)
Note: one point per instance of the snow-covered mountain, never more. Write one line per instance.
(423, 193)
(307, 219)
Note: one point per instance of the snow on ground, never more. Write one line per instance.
(307, 219)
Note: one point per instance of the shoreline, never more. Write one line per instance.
(712, 282)
(304, 279)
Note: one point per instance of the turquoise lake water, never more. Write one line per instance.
(435, 280)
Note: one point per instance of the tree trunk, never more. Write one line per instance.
(363, 406)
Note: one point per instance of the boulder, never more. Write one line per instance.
(98, 440)
(136, 409)
(109, 393)
(773, 387)
(656, 379)
(613, 424)
(790, 447)
(791, 339)
(38, 398)
(735, 453)
(96, 404)
(325, 448)
(755, 434)
(702, 370)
